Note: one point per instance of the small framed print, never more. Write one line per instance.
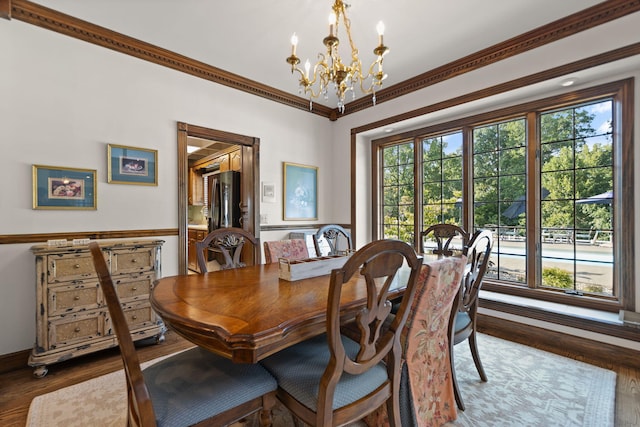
(130, 165)
(300, 198)
(64, 188)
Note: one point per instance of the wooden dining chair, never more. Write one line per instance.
(333, 234)
(229, 242)
(332, 380)
(194, 387)
(462, 322)
(426, 388)
(445, 236)
(291, 249)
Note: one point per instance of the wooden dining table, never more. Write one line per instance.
(249, 313)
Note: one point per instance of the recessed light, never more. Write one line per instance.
(569, 82)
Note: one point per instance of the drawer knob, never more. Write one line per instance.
(134, 317)
(134, 260)
(76, 298)
(76, 266)
(77, 329)
(135, 288)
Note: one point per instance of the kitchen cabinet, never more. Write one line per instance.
(196, 187)
(195, 235)
(235, 160)
(72, 318)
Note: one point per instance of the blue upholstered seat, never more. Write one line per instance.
(196, 385)
(186, 388)
(298, 370)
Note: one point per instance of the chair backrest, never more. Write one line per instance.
(426, 330)
(332, 234)
(380, 263)
(478, 253)
(140, 409)
(444, 235)
(229, 242)
(290, 249)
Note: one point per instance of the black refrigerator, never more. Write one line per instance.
(224, 200)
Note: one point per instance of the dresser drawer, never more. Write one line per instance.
(76, 297)
(135, 288)
(75, 328)
(139, 317)
(67, 267)
(134, 260)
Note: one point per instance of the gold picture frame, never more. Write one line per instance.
(57, 187)
(132, 165)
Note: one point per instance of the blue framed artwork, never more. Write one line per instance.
(64, 188)
(130, 165)
(300, 198)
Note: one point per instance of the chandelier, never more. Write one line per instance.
(331, 69)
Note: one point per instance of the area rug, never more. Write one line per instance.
(530, 388)
(526, 388)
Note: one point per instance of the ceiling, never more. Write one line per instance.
(250, 38)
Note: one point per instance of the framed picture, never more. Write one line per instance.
(300, 198)
(130, 165)
(64, 188)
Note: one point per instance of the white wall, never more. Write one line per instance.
(63, 100)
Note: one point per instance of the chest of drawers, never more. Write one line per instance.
(72, 318)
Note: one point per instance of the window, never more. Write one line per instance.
(442, 179)
(576, 214)
(398, 193)
(546, 177)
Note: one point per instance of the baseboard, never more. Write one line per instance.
(584, 349)
(12, 361)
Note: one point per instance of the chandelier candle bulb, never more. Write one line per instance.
(380, 29)
(294, 43)
(332, 22)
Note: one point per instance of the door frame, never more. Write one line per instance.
(250, 181)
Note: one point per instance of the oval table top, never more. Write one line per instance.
(249, 313)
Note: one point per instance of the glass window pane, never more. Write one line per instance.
(432, 171)
(556, 126)
(512, 161)
(512, 134)
(390, 156)
(485, 164)
(452, 145)
(432, 193)
(485, 139)
(485, 190)
(390, 176)
(452, 168)
(432, 149)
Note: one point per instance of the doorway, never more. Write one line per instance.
(249, 168)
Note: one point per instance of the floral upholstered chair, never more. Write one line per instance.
(290, 249)
(426, 389)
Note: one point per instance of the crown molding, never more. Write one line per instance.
(50, 19)
(5, 9)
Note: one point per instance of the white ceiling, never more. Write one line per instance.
(251, 37)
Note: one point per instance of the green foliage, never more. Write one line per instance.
(575, 161)
(557, 278)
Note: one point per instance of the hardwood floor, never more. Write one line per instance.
(19, 387)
